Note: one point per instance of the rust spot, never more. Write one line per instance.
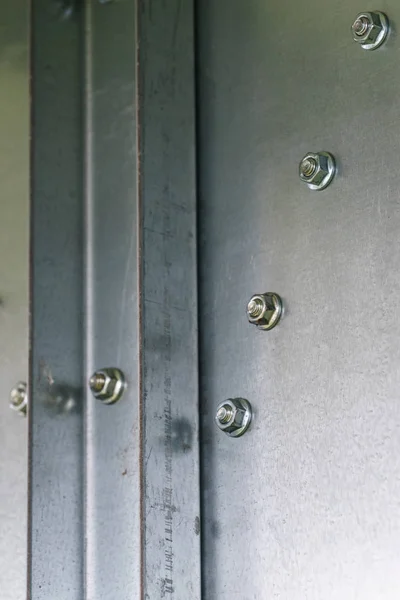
(124, 472)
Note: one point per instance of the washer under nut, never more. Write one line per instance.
(234, 416)
(317, 169)
(370, 29)
(107, 385)
(265, 310)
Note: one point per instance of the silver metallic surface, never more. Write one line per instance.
(370, 29)
(234, 416)
(317, 170)
(107, 385)
(319, 472)
(19, 398)
(265, 310)
(170, 410)
(56, 516)
(112, 437)
(14, 292)
(114, 510)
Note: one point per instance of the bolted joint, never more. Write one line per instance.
(370, 29)
(317, 169)
(107, 385)
(233, 416)
(265, 310)
(19, 398)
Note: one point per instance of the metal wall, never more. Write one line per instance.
(114, 490)
(55, 567)
(14, 259)
(305, 505)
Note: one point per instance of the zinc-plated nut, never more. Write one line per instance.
(265, 310)
(317, 169)
(19, 398)
(107, 385)
(370, 29)
(234, 416)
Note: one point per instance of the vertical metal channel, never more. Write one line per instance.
(56, 432)
(171, 517)
(114, 508)
(112, 316)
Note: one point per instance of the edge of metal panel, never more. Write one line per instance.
(169, 341)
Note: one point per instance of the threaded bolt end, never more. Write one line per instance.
(224, 414)
(255, 308)
(97, 382)
(360, 26)
(308, 167)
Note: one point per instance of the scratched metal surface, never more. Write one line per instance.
(112, 432)
(305, 505)
(56, 539)
(114, 510)
(14, 305)
(171, 526)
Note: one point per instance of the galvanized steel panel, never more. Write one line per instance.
(114, 489)
(305, 504)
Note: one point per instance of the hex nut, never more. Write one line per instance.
(107, 385)
(233, 416)
(370, 29)
(323, 173)
(264, 310)
(19, 398)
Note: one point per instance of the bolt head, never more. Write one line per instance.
(317, 169)
(370, 29)
(234, 416)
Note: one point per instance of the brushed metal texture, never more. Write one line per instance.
(169, 370)
(114, 490)
(112, 433)
(56, 489)
(305, 505)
